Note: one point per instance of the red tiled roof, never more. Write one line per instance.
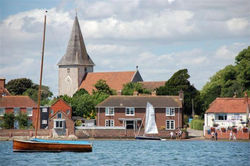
(115, 80)
(228, 105)
(17, 101)
(152, 85)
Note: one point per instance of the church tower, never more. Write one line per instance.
(74, 64)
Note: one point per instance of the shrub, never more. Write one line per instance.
(22, 119)
(197, 124)
(8, 121)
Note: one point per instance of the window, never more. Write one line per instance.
(16, 111)
(44, 121)
(44, 110)
(29, 111)
(170, 111)
(2, 111)
(109, 123)
(59, 124)
(68, 111)
(130, 111)
(220, 116)
(59, 115)
(109, 111)
(236, 116)
(170, 124)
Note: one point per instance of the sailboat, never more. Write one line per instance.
(150, 124)
(40, 145)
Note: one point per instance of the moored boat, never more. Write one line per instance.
(150, 125)
(38, 145)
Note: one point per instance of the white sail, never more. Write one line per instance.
(150, 125)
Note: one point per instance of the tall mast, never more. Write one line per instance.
(41, 76)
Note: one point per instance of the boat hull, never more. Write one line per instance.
(32, 146)
(147, 138)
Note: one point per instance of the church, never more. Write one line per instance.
(76, 69)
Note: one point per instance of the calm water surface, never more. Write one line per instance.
(138, 153)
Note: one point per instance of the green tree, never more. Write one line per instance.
(230, 81)
(179, 81)
(102, 86)
(22, 119)
(129, 88)
(18, 86)
(8, 121)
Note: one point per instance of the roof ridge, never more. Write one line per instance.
(111, 72)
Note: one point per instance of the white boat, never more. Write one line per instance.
(150, 125)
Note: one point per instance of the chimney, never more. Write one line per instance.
(2, 83)
(135, 93)
(181, 95)
(153, 93)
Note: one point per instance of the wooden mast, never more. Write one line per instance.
(41, 74)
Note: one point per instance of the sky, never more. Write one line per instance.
(159, 36)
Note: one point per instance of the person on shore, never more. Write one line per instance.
(171, 134)
(176, 134)
(230, 135)
(180, 134)
(212, 135)
(234, 137)
(216, 135)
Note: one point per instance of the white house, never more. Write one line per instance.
(227, 112)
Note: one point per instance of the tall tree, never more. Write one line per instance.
(230, 81)
(129, 88)
(179, 81)
(18, 86)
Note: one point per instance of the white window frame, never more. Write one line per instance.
(2, 110)
(170, 125)
(131, 111)
(44, 122)
(16, 110)
(108, 123)
(170, 111)
(29, 111)
(44, 110)
(109, 112)
(224, 115)
(62, 121)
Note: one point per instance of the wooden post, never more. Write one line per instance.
(41, 74)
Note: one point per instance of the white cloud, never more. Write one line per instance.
(237, 24)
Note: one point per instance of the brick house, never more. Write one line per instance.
(60, 118)
(225, 115)
(16, 104)
(129, 112)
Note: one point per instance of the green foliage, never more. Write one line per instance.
(197, 124)
(22, 119)
(78, 123)
(80, 92)
(18, 86)
(24, 86)
(179, 81)
(129, 88)
(8, 121)
(102, 86)
(230, 81)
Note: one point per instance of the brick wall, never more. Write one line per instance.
(17, 132)
(118, 133)
(160, 116)
(241, 135)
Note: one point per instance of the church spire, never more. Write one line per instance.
(76, 53)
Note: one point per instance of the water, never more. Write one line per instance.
(138, 153)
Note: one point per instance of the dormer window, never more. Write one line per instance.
(59, 116)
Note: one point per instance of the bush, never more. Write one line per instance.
(197, 124)
(8, 121)
(22, 119)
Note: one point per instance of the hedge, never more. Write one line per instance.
(197, 124)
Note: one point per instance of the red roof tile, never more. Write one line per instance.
(17, 101)
(115, 80)
(152, 85)
(228, 105)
